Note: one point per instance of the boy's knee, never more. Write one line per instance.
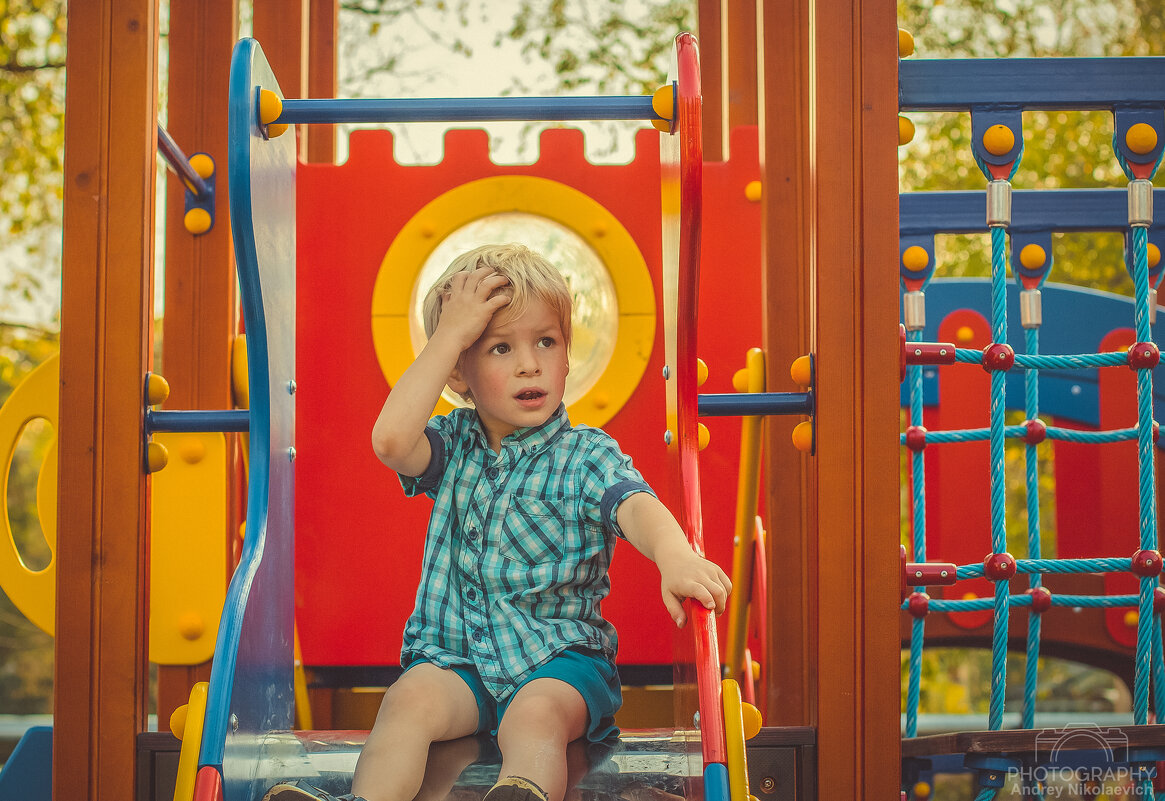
(421, 705)
(559, 711)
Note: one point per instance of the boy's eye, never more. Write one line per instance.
(501, 349)
(546, 342)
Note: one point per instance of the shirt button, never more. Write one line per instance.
(472, 533)
(471, 593)
(492, 473)
(478, 635)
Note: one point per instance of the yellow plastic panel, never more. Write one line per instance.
(188, 518)
(32, 591)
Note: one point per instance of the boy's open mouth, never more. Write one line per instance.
(530, 394)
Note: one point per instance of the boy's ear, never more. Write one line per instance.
(456, 382)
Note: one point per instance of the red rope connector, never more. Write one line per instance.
(1144, 356)
(918, 605)
(930, 353)
(916, 438)
(1041, 599)
(921, 574)
(999, 356)
(999, 566)
(1146, 563)
(1036, 432)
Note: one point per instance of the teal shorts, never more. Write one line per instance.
(591, 674)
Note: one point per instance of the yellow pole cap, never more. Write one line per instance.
(905, 130)
(703, 437)
(663, 102)
(156, 457)
(270, 106)
(1141, 138)
(915, 258)
(753, 191)
(276, 129)
(756, 671)
(752, 720)
(905, 43)
(801, 371)
(998, 140)
(803, 436)
(964, 334)
(157, 389)
(1154, 254)
(921, 790)
(740, 380)
(1033, 256)
(178, 721)
(202, 164)
(1132, 617)
(197, 221)
(701, 372)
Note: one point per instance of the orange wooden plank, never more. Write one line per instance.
(857, 415)
(200, 281)
(710, 28)
(321, 78)
(107, 295)
(788, 216)
(280, 26)
(740, 64)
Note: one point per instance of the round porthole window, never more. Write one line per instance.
(614, 305)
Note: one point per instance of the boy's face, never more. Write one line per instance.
(516, 371)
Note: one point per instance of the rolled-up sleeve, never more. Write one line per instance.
(427, 481)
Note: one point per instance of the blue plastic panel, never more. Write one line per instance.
(956, 84)
(251, 677)
(28, 773)
(1031, 210)
(1075, 321)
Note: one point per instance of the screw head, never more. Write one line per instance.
(291, 454)
(767, 784)
(291, 387)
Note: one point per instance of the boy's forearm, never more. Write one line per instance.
(407, 409)
(650, 527)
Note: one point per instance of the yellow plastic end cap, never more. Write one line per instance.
(1033, 257)
(276, 129)
(1141, 138)
(753, 191)
(663, 102)
(998, 140)
(756, 671)
(703, 437)
(905, 130)
(202, 164)
(803, 436)
(270, 107)
(915, 258)
(905, 43)
(964, 334)
(752, 720)
(197, 221)
(801, 371)
(701, 372)
(156, 457)
(157, 389)
(1132, 617)
(922, 790)
(740, 380)
(1154, 254)
(178, 721)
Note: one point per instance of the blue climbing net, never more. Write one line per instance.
(1149, 665)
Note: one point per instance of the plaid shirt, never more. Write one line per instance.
(518, 546)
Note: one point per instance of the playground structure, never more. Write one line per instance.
(840, 214)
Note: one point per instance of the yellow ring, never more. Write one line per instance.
(401, 268)
(32, 591)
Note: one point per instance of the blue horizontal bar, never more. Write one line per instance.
(1031, 210)
(1032, 83)
(754, 403)
(198, 420)
(468, 109)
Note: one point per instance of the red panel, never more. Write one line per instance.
(958, 475)
(359, 541)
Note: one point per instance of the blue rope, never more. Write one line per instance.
(986, 794)
(918, 482)
(1019, 432)
(1070, 361)
(1031, 405)
(998, 478)
(914, 686)
(1105, 565)
(1020, 601)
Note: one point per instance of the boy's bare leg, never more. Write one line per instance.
(424, 705)
(447, 761)
(544, 717)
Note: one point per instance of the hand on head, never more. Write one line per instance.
(470, 302)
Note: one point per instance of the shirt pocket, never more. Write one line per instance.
(533, 530)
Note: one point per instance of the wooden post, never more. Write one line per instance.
(710, 31)
(200, 316)
(787, 250)
(321, 78)
(106, 316)
(281, 28)
(855, 240)
(740, 65)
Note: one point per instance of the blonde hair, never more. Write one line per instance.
(530, 276)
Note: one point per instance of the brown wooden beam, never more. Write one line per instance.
(855, 240)
(200, 316)
(106, 310)
(321, 79)
(740, 64)
(710, 30)
(281, 28)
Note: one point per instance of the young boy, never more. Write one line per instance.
(506, 635)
